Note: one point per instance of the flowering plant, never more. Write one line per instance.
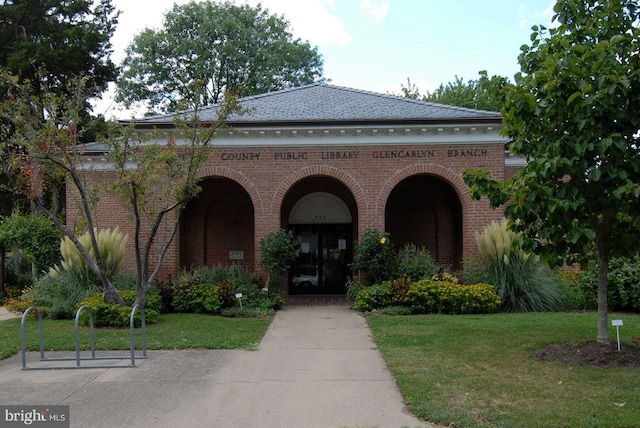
(375, 255)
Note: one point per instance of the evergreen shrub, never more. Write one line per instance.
(112, 315)
(445, 297)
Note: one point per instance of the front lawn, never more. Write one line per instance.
(480, 371)
(172, 331)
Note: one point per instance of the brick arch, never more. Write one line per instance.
(452, 178)
(310, 171)
(241, 179)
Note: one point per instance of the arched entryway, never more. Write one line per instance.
(426, 211)
(217, 226)
(320, 212)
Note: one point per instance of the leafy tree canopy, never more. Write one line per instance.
(220, 46)
(574, 114)
(484, 93)
(48, 42)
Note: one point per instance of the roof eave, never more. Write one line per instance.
(497, 119)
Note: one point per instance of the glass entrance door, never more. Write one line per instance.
(323, 264)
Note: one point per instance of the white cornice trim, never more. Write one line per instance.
(357, 135)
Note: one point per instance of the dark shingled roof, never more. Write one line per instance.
(323, 103)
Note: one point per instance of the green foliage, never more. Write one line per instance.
(522, 282)
(445, 297)
(576, 295)
(353, 287)
(484, 93)
(415, 263)
(373, 297)
(36, 236)
(111, 245)
(112, 315)
(213, 290)
(20, 304)
(38, 34)
(226, 291)
(375, 255)
(574, 114)
(192, 296)
(220, 46)
(623, 281)
(279, 251)
(61, 293)
(379, 296)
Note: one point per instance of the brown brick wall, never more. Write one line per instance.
(255, 187)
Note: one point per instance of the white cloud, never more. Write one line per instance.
(378, 10)
(312, 20)
(528, 18)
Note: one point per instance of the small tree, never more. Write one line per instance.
(44, 142)
(279, 251)
(157, 179)
(574, 115)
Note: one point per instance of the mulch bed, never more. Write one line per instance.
(592, 353)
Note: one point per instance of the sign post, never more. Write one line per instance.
(617, 324)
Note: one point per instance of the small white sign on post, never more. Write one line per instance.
(239, 297)
(617, 324)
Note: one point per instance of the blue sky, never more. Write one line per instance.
(376, 45)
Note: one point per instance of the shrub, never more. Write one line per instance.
(61, 293)
(112, 315)
(576, 297)
(431, 296)
(18, 305)
(207, 290)
(226, 292)
(373, 297)
(375, 256)
(522, 282)
(415, 263)
(353, 287)
(623, 282)
(279, 251)
(192, 296)
(36, 236)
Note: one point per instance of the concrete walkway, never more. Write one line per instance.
(315, 367)
(6, 315)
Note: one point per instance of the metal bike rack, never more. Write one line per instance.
(78, 358)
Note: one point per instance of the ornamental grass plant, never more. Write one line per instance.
(521, 281)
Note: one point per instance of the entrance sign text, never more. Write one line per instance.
(420, 153)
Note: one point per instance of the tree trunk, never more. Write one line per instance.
(142, 293)
(111, 294)
(603, 307)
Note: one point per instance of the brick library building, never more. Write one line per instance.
(328, 163)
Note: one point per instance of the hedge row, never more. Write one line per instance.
(429, 296)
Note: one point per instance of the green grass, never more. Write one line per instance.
(479, 371)
(172, 331)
